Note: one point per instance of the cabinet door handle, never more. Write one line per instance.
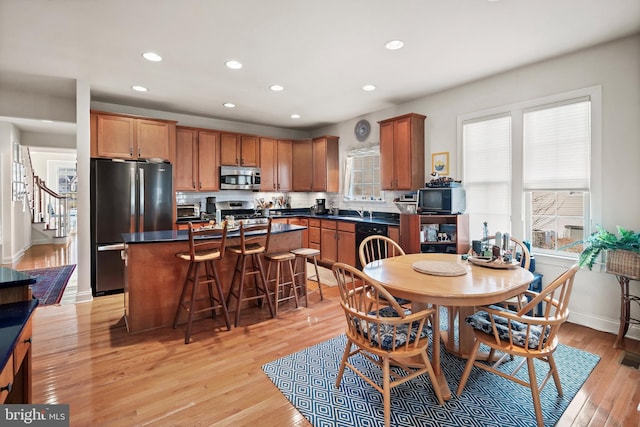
(7, 387)
(193, 184)
(139, 152)
(131, 151)
(28, 340)
(200, 185)
(238, 161)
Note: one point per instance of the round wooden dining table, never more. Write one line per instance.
(478, 285)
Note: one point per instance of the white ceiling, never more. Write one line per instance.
(322, 51)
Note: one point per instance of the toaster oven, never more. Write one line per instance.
(188, 212)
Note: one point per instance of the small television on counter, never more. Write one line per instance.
(441, 200)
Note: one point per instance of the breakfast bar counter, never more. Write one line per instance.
(154, 275)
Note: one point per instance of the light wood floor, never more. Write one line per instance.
(84, 357)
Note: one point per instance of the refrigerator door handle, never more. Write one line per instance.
(141, 198)
(132, 201)
(114, 247)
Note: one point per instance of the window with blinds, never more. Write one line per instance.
(557, 141)
(527, 171)
(487, 172)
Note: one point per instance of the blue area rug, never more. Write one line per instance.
(50, 283)
(307, 379)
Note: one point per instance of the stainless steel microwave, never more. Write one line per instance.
(239, 178)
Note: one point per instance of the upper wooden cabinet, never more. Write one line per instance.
(322, 154)
(197, 165)
(402, 152)
(239, 150)
(127, 137)
(276, 160)
(302, 167)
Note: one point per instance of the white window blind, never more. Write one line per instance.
(487, 173)
(557, 138)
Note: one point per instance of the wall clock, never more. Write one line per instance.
(362, 130)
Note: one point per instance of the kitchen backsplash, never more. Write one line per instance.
(296, 199)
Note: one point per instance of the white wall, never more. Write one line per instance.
(616, 67)
(15, 217)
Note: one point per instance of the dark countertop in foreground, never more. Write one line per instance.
(10, 278)
(183, 235)
(13, 318)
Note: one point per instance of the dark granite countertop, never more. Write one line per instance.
(13, 318)
(183, 235)
(11, 278)
(382, 218)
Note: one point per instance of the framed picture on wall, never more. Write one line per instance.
(440, 163)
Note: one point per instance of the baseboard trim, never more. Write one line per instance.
(603, 324)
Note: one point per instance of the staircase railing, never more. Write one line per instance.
(50, 208)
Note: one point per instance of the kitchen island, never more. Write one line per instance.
(154, 275)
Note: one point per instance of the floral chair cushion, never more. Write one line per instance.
(481, 321)
(385, 339)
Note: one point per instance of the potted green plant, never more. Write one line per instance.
(602, 240)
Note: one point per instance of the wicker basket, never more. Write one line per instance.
(623, 263)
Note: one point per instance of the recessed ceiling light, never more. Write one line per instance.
(152, 56)
(139, 88)
(229, 105)
(295, 116)
(234, 65)
(394, 44)
(276, 88)
(47, 121)
(368, 88)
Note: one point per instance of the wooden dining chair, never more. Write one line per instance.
(377, 247)
(520, 252)
(519, 335)
(384, 333)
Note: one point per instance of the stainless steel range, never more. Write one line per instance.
(240, 210)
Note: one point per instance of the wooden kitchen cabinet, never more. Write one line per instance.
(402, 152)
(326, 168)
(197, 165)
(302, 167)
(338, 242)
(322, 155)
(305, 234)
(127, 137)
(314, 234)
(276, 164)
(239, 150)
(394, 233)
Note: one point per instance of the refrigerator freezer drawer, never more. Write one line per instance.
(109, 271)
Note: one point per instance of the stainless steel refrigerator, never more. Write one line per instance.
(126, 197)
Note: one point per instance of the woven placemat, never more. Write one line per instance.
(439, 268)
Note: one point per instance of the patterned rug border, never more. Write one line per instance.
(307, 379)
(49, 291)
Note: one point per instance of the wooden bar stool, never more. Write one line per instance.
(306, 254)
(206, 245)
(280, 259)
(254, 240)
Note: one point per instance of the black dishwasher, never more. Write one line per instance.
(364, 230)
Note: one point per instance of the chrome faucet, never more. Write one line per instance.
(370, 214)
(360, 212)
